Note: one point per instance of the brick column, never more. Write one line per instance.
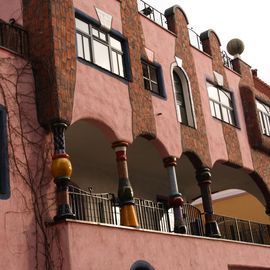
(61, 171)
(128, 216)
(176, 201)
(203, 176)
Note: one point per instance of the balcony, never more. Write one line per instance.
(152, 13)
(13, 38)
(157, 216)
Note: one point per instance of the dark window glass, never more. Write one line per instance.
(150, 78)
(180, 100)
(264, 117)
(98, 47)
(221, 105)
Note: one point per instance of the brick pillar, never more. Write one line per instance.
(176, 201)
(61, 171)
(128, 216)
(203, 176)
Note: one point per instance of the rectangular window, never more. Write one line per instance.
(99, 47)
(4, 172)
(264, 117)
(221, 104)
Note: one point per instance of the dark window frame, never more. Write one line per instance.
(159, 78)
(94, 24)
(264, 118)
(4, 172)
(232, 118)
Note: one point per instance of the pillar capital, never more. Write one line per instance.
(203, 175)
(119, 144)
(170, 161)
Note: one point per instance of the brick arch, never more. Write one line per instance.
(194, 159)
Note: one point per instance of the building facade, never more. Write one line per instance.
(113, 122)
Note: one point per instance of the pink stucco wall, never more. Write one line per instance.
(89, 245)
(168, 127)
(11, 9)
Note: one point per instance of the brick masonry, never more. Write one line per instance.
(211, 45)
(260, 144)
(193, 140)
(53, 56)
(143, 120)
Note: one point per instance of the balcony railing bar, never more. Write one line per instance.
(14, 38)
(152, 13)
(226, 60)
(194, 39)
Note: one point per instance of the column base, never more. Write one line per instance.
(128, 216)
(180, 229)
(64, 212)
(212, 229)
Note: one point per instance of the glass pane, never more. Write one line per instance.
(115, 63)
(225, 98)
(212, 108)
(146, 84)
(212, 92)
(102, 36)
(183, 115)
(101, 52)
(120, 63)
(225, 116)
(86, 48)
(217, 111)
(82, 26)
(116, 44)
(95, 32)
(153, 73)
(79, 45)
(231, 117)
(145, 70)
(155, 88)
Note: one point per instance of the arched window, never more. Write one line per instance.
(142, 265)
(183, 98)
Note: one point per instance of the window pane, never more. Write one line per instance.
(212, 92)
(86, 48)
(231, 117)
(82, 26)
(153, 73)
(102, 36)
(146, 84)
(101, 52)
(95, 32)
(120, 63)
(145, 70)
(115, 63)
(217, 111)
(116, 44)
(155, 88)
(79, 45)
(225, 116)
(212, 108)
(183, 115)
(225, 98)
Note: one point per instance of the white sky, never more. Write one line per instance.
(243, 19)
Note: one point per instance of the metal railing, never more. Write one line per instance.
(152, 13)
(226, 60)
(243, 230)
(194, 39)
(14, 38)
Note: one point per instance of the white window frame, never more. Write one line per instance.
(264, 118)
(187, 95)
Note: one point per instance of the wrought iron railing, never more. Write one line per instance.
(243, 230)
(14, 38)
(152, 13)
(104, 208)
(194, 39)
(226, 60)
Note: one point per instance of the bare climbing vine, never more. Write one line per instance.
(32, 199)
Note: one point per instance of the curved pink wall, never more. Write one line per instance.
(168, 127)
(88, 246)
(11, 9)
(217, 145)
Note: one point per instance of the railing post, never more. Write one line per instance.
(61, 171)
(128, 215)
(203, 176)
(175, 200)
(250, 229)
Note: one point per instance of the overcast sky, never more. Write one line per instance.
(243, 19)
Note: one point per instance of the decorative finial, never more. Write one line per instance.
(235, 47)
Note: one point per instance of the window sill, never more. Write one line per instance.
(83, 61)
(156, 95)
(223, 122)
